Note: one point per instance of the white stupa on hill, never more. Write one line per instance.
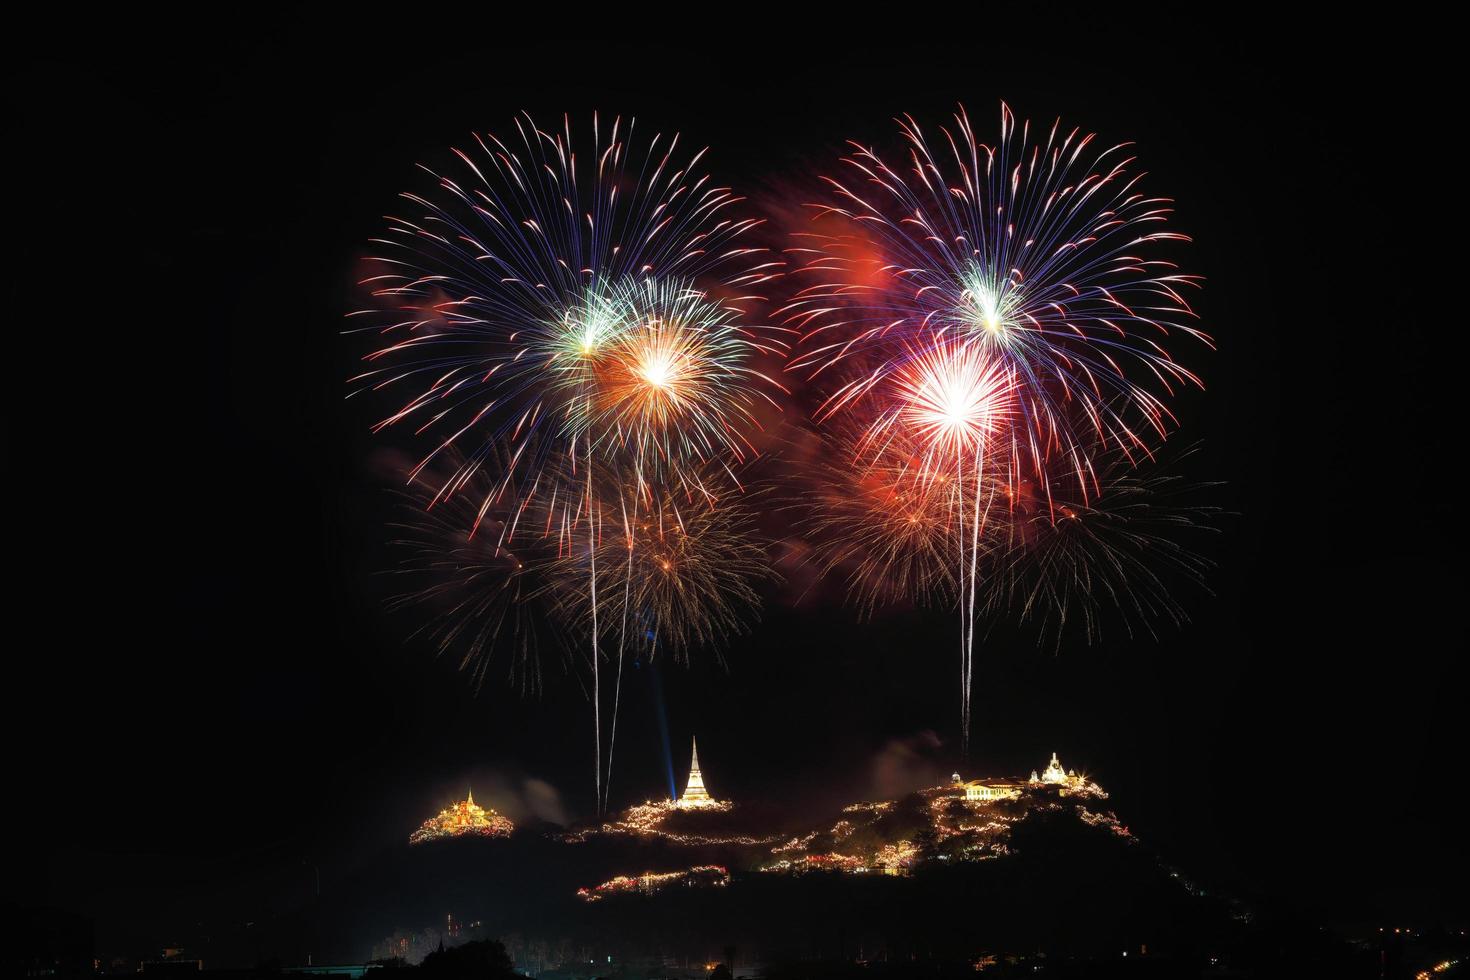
(695, 795)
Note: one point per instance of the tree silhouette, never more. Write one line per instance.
(483, 960)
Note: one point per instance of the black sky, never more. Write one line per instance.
(207, 694)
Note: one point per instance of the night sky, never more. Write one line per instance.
(208, 698)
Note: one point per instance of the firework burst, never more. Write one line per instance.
(881, 524)
(677, 387)
(1042, 251)
(1001, 315)
(512, 291)
(551, 308)
(678, 571)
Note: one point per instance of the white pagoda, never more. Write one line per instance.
(695, 795)
(1054, 774)
(1066, 780)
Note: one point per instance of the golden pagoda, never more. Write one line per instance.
(464, 817)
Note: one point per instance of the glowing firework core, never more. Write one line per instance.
(657, 370)
(665, 370)
(585, 330)
(661, 368)
(954, 398)
(987, 306)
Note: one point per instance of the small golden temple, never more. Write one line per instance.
(460, 819)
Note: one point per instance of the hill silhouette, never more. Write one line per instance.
(929, 877)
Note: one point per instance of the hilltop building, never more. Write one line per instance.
(695, 795)
(1066, 780)
(989, 790)
(1054, 774)
(464, 817)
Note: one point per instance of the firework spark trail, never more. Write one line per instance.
(596, 658)
(538, 309)
(1035, 262)
(686, 562)
(956, 398)
(612, 738)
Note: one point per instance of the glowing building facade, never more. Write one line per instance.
(986, 791)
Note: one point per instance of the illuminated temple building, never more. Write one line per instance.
(695, 795)
(1054, 775)
(989, 790)
(461, 819)
(1066, 780)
